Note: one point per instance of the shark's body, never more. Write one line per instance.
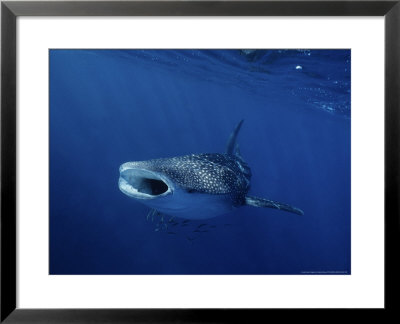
(196, 186)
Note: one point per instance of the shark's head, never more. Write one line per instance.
(137, 181)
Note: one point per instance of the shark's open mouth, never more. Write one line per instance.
(143, 184)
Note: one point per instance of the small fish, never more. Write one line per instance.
(201, 225)
(171, 233)
(150, 214)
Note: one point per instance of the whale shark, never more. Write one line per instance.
(195, 186)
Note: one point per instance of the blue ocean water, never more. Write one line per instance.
(108, 107)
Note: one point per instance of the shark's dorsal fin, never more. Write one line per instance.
(230, 146)
(262, 202)
(237, 151)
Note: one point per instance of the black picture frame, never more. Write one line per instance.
(10, 10)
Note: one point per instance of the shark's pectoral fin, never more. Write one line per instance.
(262, 202)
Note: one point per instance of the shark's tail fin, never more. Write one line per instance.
(230, 146)
(262, 202)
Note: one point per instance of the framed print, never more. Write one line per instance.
(198, 161)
